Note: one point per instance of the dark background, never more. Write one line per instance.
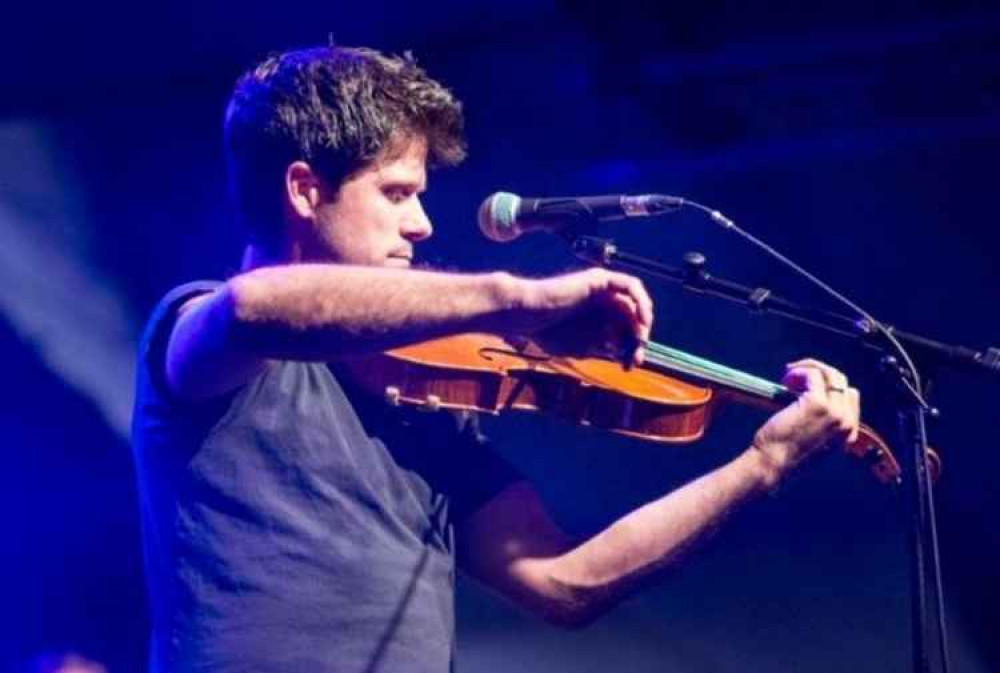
(859, 138)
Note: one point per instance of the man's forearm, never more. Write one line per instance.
(324, 311)
(596, 574)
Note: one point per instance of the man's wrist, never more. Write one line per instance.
(510, 298)
(507, 291)
(767, 470)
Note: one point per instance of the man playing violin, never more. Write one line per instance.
(293, 522)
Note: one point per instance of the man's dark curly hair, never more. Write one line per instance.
(336, 108)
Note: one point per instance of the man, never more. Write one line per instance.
(291, 521)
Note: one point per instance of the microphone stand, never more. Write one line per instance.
(695, 278)
(912, 409)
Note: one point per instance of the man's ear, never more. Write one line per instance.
(302, 189)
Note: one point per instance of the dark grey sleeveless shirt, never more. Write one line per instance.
(298, 524)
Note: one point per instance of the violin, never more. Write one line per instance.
(671, 398)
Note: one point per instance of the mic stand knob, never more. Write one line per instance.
(694, 270)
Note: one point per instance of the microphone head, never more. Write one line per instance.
(498, 217)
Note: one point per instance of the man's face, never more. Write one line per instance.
(377, 217)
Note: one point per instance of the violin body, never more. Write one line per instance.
(664, 401)
(486, 373)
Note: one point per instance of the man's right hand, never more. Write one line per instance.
(595, 311)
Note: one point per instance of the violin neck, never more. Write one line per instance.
(700, 369)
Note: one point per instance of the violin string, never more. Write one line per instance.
(701, 365)
(692, 364)
(715, 378)
(729, 377)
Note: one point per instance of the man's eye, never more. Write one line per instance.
(397, 194)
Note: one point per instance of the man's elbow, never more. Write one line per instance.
(574, 608)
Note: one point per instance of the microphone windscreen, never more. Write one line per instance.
(498, 217)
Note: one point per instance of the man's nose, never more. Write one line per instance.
(417, 226)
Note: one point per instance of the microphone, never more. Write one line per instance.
(504, 216)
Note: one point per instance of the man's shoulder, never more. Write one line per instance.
(156, 334)
(171, 301)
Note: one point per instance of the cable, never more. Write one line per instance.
(870, 322)
(912, 384)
